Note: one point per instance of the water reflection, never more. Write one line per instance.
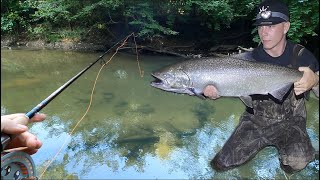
(132, 130)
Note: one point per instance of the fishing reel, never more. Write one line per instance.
(15, 165)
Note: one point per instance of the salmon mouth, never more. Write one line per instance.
(164, 84)
(157, 82)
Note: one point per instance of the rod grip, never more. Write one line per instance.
(5, 138)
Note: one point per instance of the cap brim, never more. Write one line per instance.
(267, 22)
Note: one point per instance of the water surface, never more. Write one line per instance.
(132, 130)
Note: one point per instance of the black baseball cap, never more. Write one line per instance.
(270, 12)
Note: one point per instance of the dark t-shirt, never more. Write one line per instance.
(264, 105)
(306, 59)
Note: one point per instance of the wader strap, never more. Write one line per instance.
(297, 51)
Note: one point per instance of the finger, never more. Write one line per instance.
(299, 84)
(14, 129)
(301, 88)
(24, 120)
(12, 116)
(299, 91)
(298, 88)
(30, 151)
(25, 139)
(28, 140)
(302, 69)
(9, 126)
(31, 140)
(38, 117)
(16, 118)
(214, 97)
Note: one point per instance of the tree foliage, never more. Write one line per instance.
(148, 19)
(304, 15)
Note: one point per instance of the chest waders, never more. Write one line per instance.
(270, 123)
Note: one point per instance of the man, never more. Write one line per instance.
(272, 123)
(15, 124)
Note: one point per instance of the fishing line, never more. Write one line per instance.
(15, 149)
(140, 71)
(91, 98)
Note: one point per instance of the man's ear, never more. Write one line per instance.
(286, 27)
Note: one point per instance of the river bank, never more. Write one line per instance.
(172, 47)
(16, 42)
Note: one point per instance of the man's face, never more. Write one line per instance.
(272, 35)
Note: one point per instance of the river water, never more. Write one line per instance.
(132, 130)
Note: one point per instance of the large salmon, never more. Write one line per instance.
(232, 76)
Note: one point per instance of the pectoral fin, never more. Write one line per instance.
(247, 100)
(201, 96)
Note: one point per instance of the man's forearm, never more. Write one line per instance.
(315, 88)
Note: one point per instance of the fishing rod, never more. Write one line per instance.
(12, 163)
(5, 139)
(41, 105)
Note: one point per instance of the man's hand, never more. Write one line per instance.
(211, 92)
(308, 81)
(15, 125)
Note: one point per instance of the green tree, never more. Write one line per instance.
(65, 18)
(304, 18)
(142, 16)
(15, 16)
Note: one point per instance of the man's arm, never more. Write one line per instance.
(309, 80)
(315, 88)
